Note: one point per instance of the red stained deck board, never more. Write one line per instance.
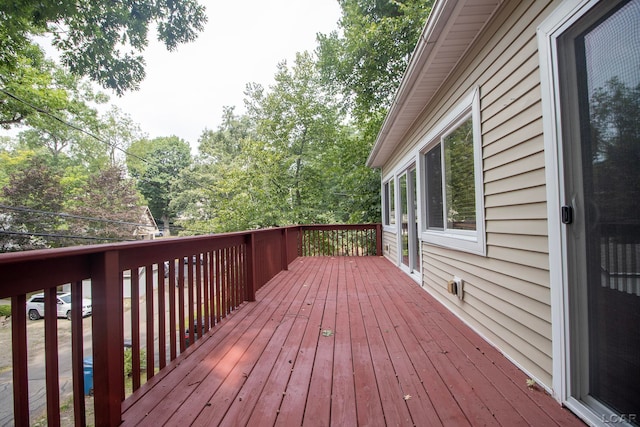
(280, 327)
(261, 352)
(159, 400)
(318, 408)
(343, 412)
(391, 394)
(268, 363)
(413, 392)
(268, 404)
(369, 407)
(295, 397)
(435, 402)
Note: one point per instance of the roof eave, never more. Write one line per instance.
(437, 28)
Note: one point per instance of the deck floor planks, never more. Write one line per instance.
(432, 338)
(367, 396)
(413, 392)
(513, 405)
(267, 407)
(510, 374)
(292, 408)
(245, 381)
(390, 338)
(343, 410)
(391, 395)
(174, 390)
(226, 393)
(435, 395)
(318, 407)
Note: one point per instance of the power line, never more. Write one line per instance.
(66, 236)
(92, 135)
(71, 125)
(66, 215)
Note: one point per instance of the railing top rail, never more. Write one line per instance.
(40, 254)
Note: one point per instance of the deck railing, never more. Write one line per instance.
(177, 290)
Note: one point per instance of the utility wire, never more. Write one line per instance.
(90, 134)
(66, 215)
(71, 125)
(66, 236)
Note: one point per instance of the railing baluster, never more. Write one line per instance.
(181, 285)
(205, 290)
(234, 276)
(162, 316)
(135, 328)
(150, 321)
(77, 354)
(190, 299)
(250, 259)
(240, 295)
(225, 281)
(172, 309)
(19, 353)
(51, 355)
(198, 267)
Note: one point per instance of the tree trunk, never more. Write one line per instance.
(165, 221)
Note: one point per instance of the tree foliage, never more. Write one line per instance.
(298, 123)
(100, 39)
(32, 186)
(615, 151)
(108, 195)
(157, 164)
(367, 59)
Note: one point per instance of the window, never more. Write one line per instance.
(452, 180)
(389, 203)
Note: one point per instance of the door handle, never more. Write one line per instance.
(567, 214)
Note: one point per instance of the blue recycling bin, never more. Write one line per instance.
(87, 369)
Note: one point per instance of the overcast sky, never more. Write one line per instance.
(243, 41)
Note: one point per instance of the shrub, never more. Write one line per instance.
(5, 310)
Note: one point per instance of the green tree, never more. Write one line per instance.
(365, 62)
(225, 143)
(101, 39)
(157, 165)
(615, 151)
(367, 59)
(108, 195)
(119, 131)
(298, 122)
(32, 186)
(228, 189)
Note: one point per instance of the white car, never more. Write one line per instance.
(35, 306)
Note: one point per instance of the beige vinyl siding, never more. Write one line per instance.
(390, 239)
(507, 296)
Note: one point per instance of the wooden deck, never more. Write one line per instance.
(343, 342)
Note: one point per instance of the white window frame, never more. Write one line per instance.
(389, 215)
(462, 240)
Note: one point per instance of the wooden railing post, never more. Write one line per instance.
(19, 352)
(251, 266)
(108, 345)
(379, 239)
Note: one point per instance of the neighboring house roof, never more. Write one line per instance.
(146, 218)
(450, 30)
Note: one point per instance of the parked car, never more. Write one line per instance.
(35, 306)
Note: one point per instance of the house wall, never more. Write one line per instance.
(390, 246)
(507, 292)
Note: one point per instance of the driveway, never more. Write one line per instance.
(35, 346)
